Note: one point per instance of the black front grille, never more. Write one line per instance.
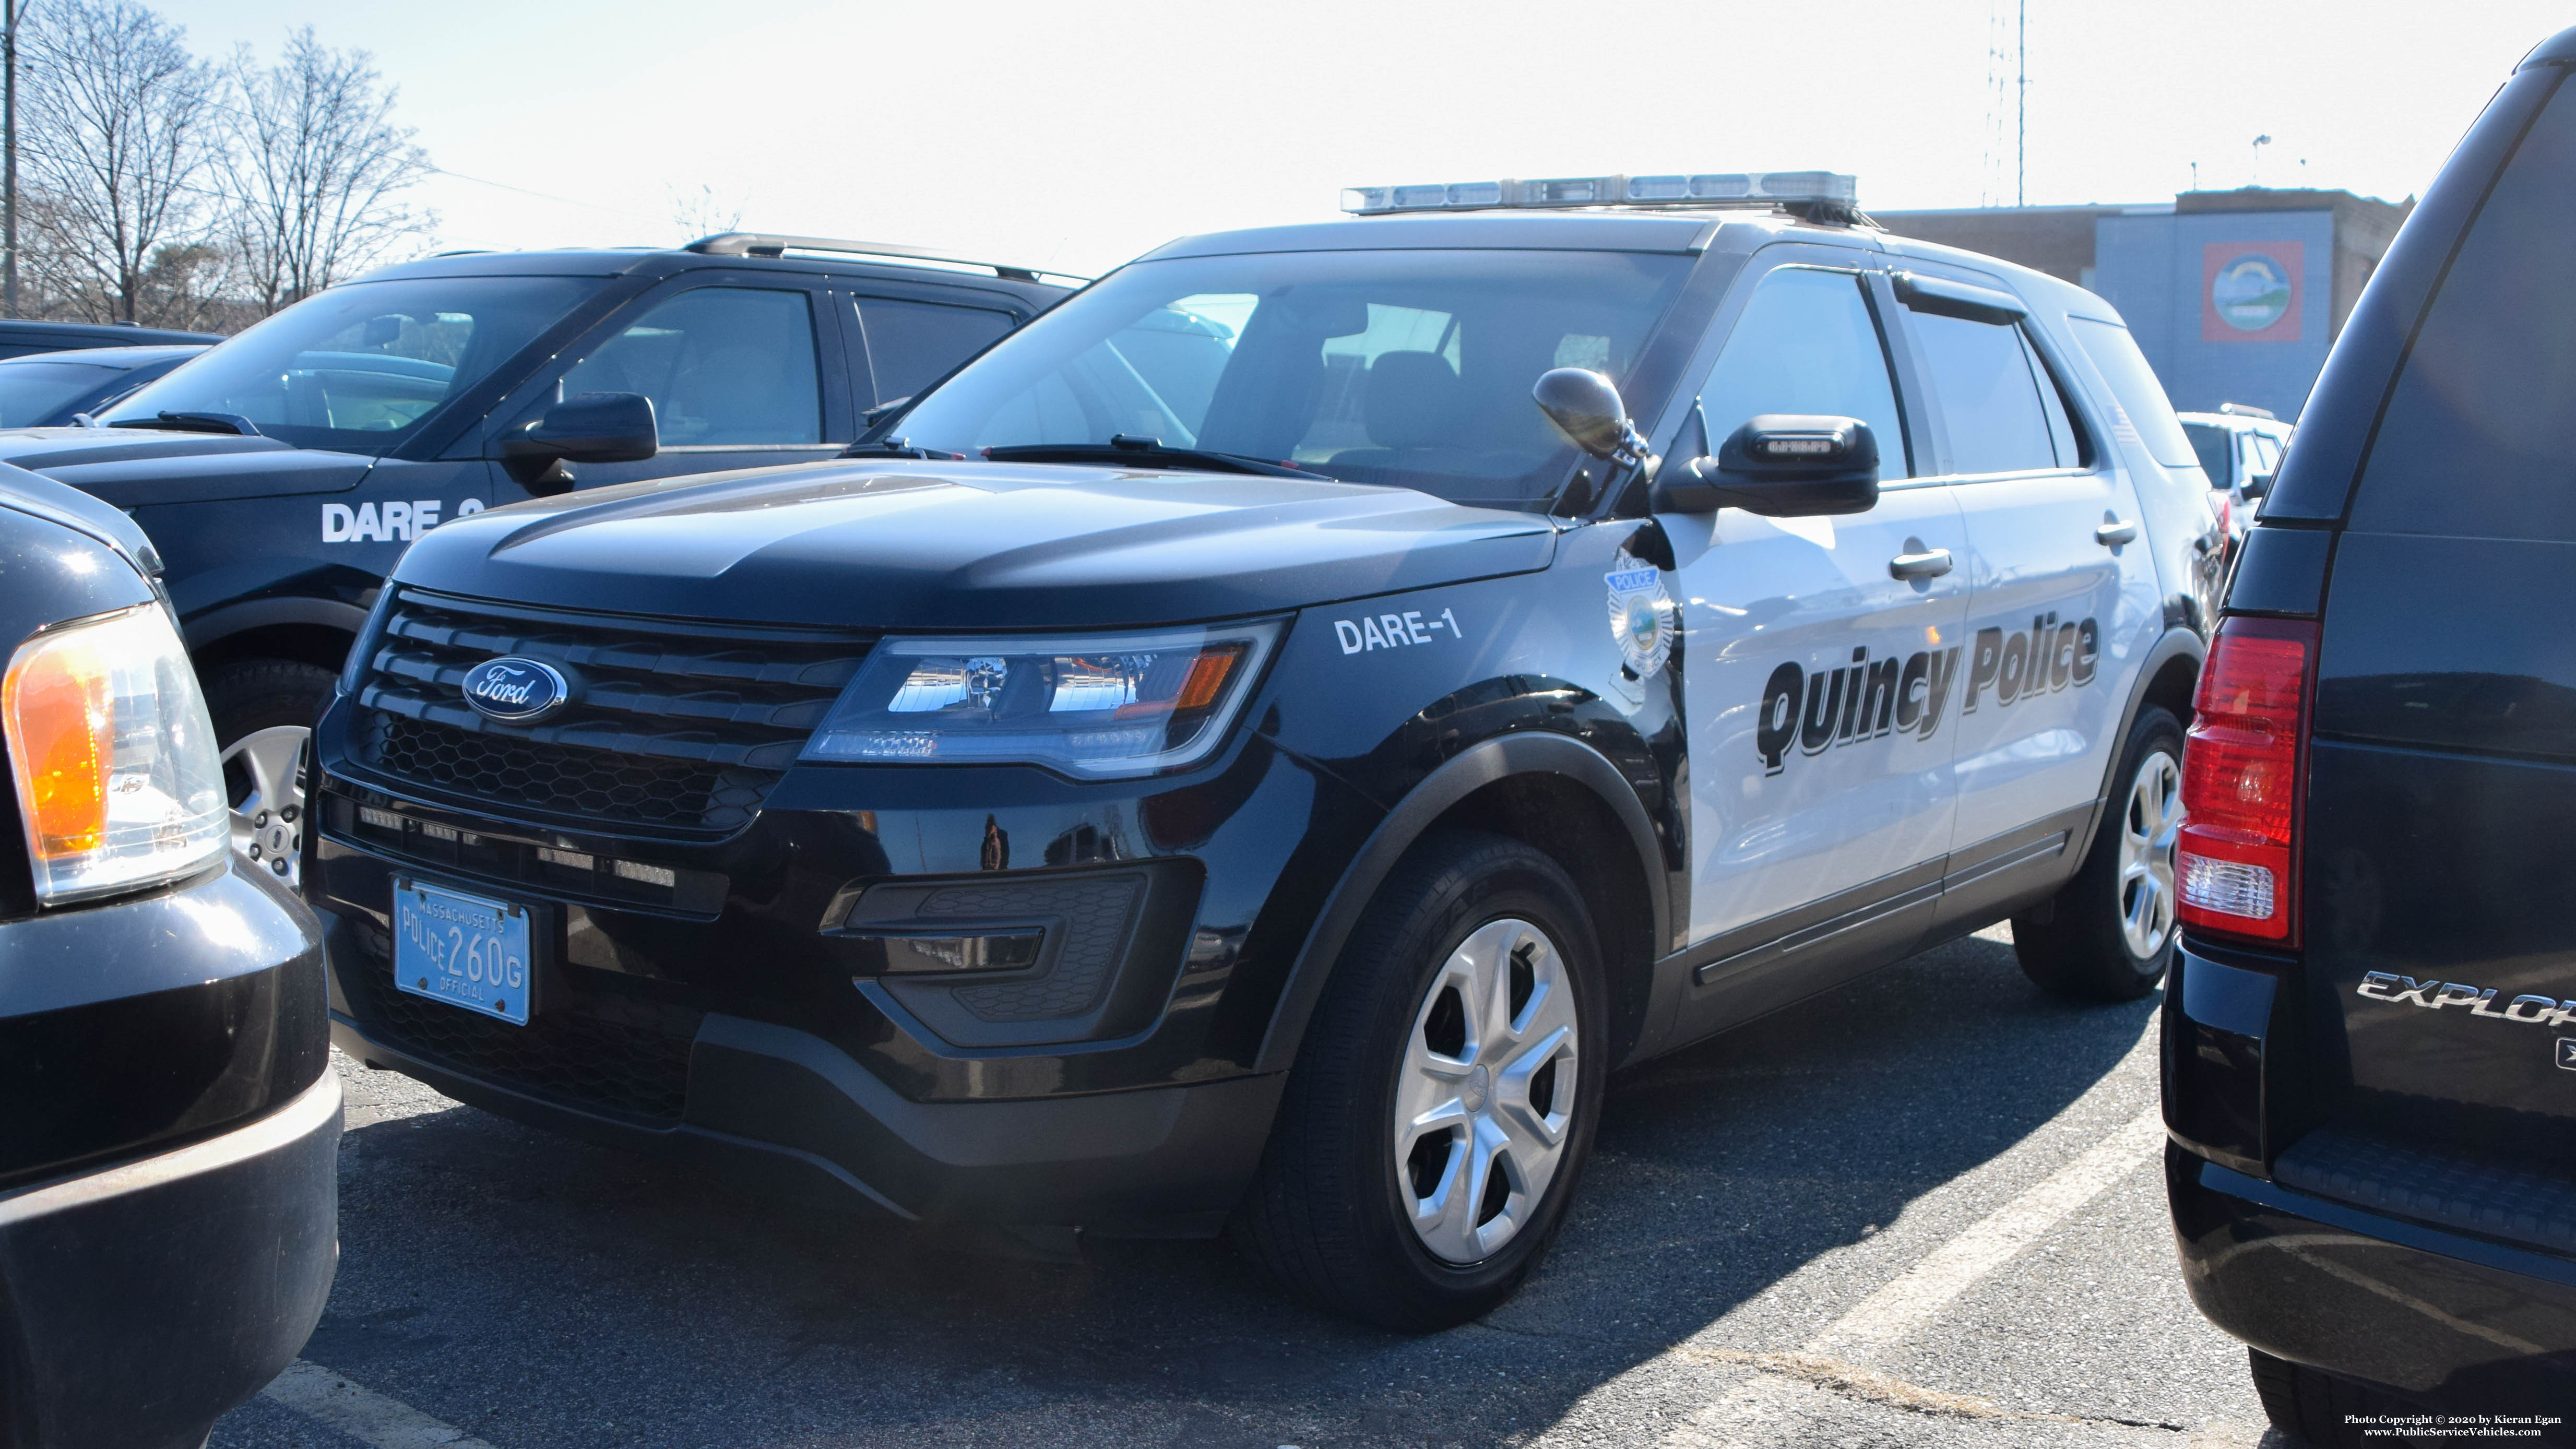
(676, 725)
(563, 1054)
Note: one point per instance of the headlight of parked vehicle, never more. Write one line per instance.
(1095, 706)
(119, 785)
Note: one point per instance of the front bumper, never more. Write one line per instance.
(778, 1111)
(144, 1300)
(2464, 1324)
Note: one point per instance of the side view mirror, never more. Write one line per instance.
(2256, 486)
(1780, 465)
(590, 427)
(1585, 406)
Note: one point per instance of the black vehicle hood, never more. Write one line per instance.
(905, 545)
(132, 467)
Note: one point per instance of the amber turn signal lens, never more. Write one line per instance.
(63, 725)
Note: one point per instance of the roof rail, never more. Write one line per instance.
(769, 244)
(2248, 410)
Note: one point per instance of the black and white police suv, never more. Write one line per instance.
(1226, 755)
(283, 472)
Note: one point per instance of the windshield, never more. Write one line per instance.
(31, 392)
(1410, 368)
(355, 367)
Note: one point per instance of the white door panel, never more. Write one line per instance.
(1818, 691)
(2058, 623)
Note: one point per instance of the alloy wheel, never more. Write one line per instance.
(1485, 1099)
(264, 774)
(2149, 825)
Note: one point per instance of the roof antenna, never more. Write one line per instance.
(2259, 143)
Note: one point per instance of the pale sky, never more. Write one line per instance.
(1075, 135)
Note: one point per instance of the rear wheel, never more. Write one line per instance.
(2109, 934)
(263, 712)
(1444, 1099)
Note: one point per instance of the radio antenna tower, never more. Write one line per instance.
(2021, 112)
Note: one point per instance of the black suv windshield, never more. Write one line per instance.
(355, 367)
(1410, 368)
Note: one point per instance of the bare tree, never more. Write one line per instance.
(117, 126)
(316, 170)
(698, 211)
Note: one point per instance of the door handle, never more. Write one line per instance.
(2115, 532)
(1929, 564)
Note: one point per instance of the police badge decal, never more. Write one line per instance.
(1641, 615)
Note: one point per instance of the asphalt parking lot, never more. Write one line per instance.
(1922, 1210)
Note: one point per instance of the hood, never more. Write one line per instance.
(34, 493)
(133, 467)
(904, 545)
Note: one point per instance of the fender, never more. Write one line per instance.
(230, 619)
(1527, 753)
(2176, 641)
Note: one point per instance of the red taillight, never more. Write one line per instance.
(2240, 780)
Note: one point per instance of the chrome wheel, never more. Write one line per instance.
(264, 772)
(2148, 826)
(1486, 1096)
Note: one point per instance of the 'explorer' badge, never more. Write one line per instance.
(515, 690)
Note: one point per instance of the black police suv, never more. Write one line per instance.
(283, 472)
(1226, 753)
(169, 1121)
(2370, 1052)
(59, 389)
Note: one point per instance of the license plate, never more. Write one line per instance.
(464, 950)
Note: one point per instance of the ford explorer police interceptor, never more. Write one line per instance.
(1226, 756)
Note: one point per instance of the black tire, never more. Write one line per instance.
(256, 694)
(2316, 1408)
(2076, 945)
(1327, 1213)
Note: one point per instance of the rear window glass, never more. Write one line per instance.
(2475, 440)
(2142, 407)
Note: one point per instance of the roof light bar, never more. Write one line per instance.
(1735, 188)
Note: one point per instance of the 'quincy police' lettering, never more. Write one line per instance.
(1871, 699)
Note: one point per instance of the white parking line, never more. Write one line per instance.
(1928, 1287)
(1767, 1408)
(361, 1413)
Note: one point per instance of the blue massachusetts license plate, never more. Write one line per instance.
(463, 950)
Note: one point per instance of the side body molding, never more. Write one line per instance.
(1472, 769)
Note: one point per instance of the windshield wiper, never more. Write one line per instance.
(233, 423)
(1147, 452)
(897, 448)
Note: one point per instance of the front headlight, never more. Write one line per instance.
(119, 785)
(1095, 706)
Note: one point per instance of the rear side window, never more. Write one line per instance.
(1983, 384)
(914, 344)
(2475, 440)
(2138, 400)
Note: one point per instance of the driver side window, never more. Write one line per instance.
(1807, 343)
(724, 366)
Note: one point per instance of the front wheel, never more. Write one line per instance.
(263, 712)
(2109, 934)
(1444, 1099)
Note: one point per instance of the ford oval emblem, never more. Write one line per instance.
(515, 690)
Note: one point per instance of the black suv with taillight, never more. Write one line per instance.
(2370, 1040)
